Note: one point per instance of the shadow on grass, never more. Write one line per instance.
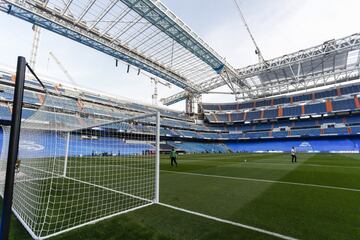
(17, 231)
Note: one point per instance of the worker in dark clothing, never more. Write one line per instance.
(293, 155)
(173, 157)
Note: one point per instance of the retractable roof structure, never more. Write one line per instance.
(147, 35)
(332, 62)
(143, 33)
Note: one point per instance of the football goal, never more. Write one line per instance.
(74, 170)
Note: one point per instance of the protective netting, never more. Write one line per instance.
(75, 169)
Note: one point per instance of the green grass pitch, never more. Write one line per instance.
(316, 198)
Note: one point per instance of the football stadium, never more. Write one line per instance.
(267, 150)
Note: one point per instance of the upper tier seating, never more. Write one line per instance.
(337, 105)
(292, 111)
(345, 104)
(338, 131)
(192, 147)
(271, 113)
(254, 123)
(306, 132)
(317, 108)
(323, 94)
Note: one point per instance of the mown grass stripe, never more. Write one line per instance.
(264, 180)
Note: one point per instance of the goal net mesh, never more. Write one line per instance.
(77, 169)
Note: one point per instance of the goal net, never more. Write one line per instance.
(74, 170)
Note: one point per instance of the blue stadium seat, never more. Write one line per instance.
(338, 131)
(316, 108)
(280, 134)
(193, 147)
(257, 134)
(245, 105)
(325, 94)
(189, 134)
(31, 98)
(247, 127)
(210, 107)
(306, 132)
(237, 116)
(292, 111)
(330, 120)
(355, 129)
(253, 115)
(282, 100)
(5, 113)
(300, 98)
(306, 123)
(210, 135)
(222, 117)
(345, 104)
(263, 103)
(27, 113)
(271, 113)
(350, 89)
(353, 119)
(235, 136)
(230, 106)
(266, 126)
(283, 124)
(7, 94)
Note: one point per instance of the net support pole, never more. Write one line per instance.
(157, 157)
(13, 148)
(66, 153)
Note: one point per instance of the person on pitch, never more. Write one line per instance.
(293, 154)
(173, 155)
(17, 166)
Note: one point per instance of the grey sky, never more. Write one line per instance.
(279, 26)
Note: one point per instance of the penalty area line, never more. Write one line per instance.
(274, 234)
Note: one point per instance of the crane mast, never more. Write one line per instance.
(63, 69)
(155, 94)
(257, 49)
(35, 46)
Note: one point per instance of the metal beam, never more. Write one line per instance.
(323, 50)
(54, 22)
(161, 17)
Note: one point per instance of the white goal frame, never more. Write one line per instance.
(155, 200)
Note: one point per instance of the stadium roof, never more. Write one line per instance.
(143, 33)
(332, 62)
(147, 35)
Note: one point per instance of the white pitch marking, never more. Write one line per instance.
(266, 181)
(274, 234)
(272, 163)
(304, 165)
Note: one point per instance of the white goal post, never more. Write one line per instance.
(73, 171)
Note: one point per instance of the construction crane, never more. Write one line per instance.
(155, 94)
(35, 46)
(61, 66)
(154, 80)
(257, 49)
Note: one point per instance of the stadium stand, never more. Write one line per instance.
(302, 116)
(345, 91)
(192, 147)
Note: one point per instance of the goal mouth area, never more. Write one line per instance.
(71, 177)
(78, 197)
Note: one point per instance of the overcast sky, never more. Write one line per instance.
(279, 27)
